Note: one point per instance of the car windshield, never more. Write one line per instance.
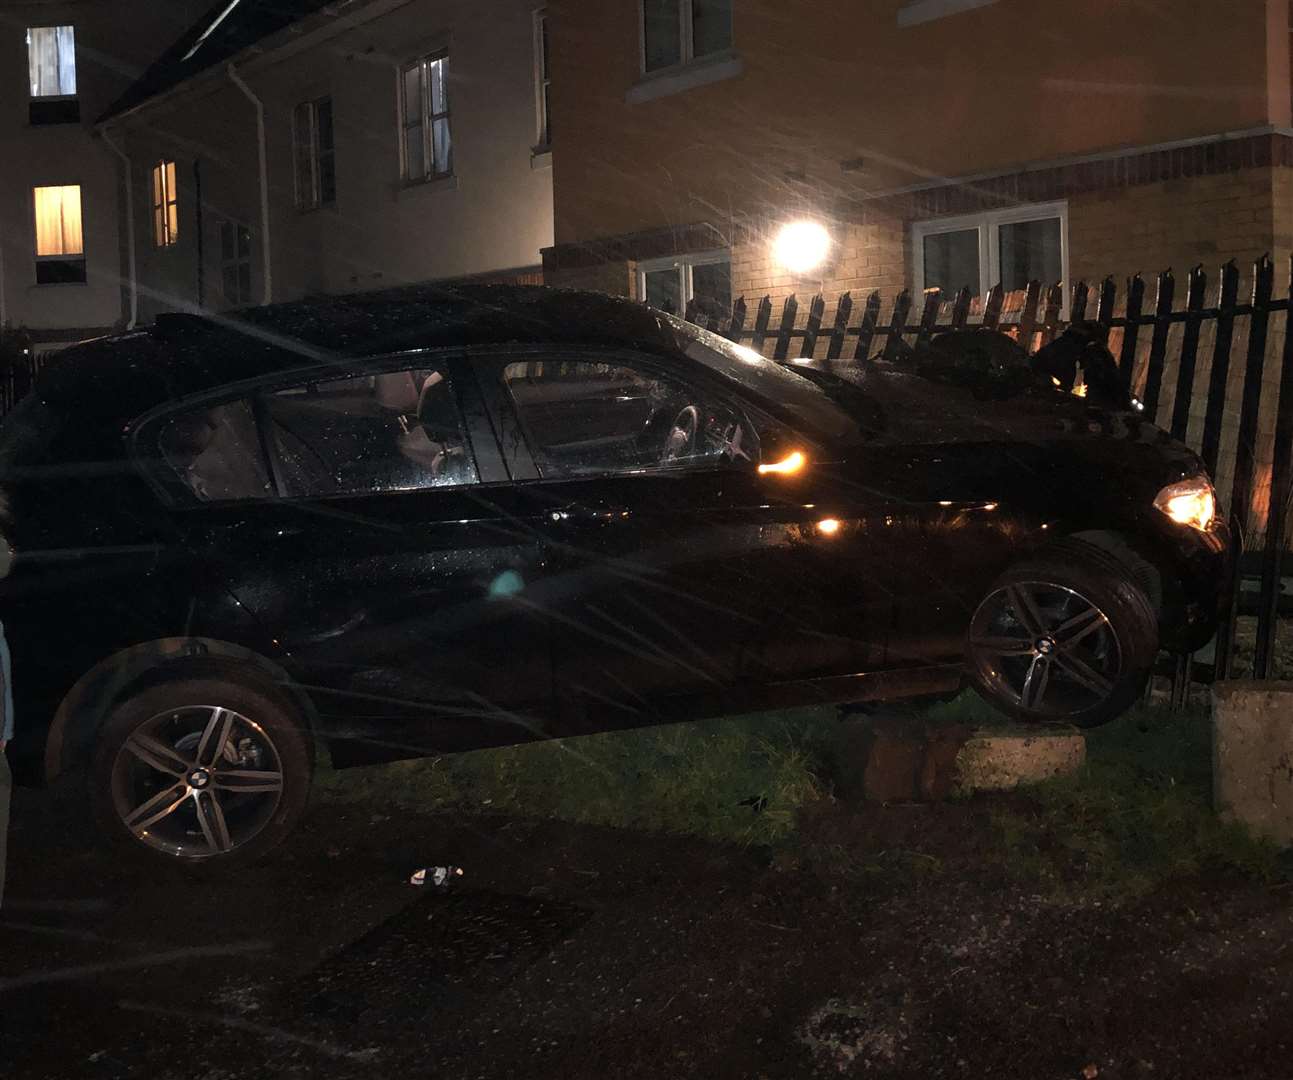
(812, 398)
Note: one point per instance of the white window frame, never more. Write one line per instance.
(686, 42)
(428, 120)
(309, 189)
(76, 78)
(684, 264)
(988, 223)
(542, 86)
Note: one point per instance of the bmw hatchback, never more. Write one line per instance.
(441, 519)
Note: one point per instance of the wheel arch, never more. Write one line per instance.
(1147, 574)
(91, 699)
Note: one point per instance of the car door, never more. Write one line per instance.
(362, 518)
(685, 580)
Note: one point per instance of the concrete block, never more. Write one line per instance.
(893, 759)
(1001, 759)
(1252, 755)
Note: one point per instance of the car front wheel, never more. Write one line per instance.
(201, 771)
(1068, 636)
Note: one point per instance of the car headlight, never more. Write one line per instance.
(1191, 502)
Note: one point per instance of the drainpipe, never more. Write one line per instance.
(130, 229)
(236, 79)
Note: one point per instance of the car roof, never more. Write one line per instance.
(185, 354)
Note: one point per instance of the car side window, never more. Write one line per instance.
(589, 419)
(215, 451)
(387, 432)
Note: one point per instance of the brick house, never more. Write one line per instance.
(938, 142)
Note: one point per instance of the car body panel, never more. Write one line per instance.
(527, 607)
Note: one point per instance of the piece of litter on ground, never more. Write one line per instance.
(1091, 1072)
(437, 876)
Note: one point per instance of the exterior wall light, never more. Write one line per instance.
(802, 246)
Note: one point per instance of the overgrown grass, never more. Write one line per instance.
(740, 780)
(1136, 817)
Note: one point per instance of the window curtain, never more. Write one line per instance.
(58, 221)
(51, 61)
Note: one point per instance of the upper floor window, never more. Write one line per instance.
(60, 250)
(679, 31)
(51, 61)
(428, 145)
(315, 154)
(166, 214)
(51, 70)
(543, 81)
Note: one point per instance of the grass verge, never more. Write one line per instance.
(741, 779)
(1138, 815)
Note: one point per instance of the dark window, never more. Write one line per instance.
(1030, 251)
(397, 431)
(544, 80)
(315, 154)
(952, 261)
(235, 262)
(661, 33)
(664, 290)
(677, 31)
(706, 279)
(428, 144)
(217, 453)
(711, 22)
(586, 419)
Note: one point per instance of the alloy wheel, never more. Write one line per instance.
(197, 781)
(1046, 648)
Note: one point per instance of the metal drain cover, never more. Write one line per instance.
(419, 957)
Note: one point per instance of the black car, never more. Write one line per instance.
(440, 519)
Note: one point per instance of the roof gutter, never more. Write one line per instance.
(236, 79)
(326, 24)
(132, 277)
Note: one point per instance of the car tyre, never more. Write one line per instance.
(201, 772)
(1067, 636)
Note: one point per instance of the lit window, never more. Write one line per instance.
(543, 80)
(235, 263)
(428, 145)
(670, 284)
(60, 251)
(166, 215)
(678, 31)
(51, 61)
(1010, 247)
(315, 154)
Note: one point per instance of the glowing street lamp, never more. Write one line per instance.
(802, 246)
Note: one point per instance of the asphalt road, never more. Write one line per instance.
(575, 952)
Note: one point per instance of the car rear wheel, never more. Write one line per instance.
(201, 771)
(1068, 636)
